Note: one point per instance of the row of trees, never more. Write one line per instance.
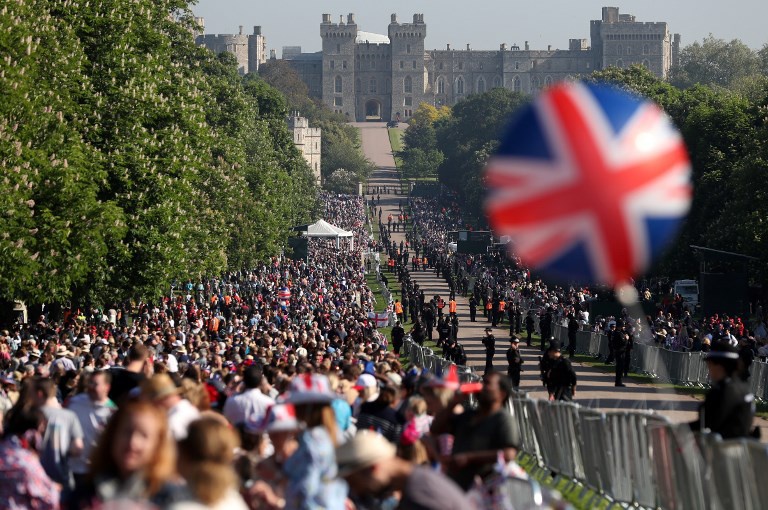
(724, 124)
(343, 165)
(132, 157)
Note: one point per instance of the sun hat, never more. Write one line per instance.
(364, 450)
(309, 389)
(62, 351)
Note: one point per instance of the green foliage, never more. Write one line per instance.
(464, 136)
(715, 62)
(133, 157)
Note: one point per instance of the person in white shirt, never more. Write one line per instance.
(93, 410)
(161, 390)
(251, 405)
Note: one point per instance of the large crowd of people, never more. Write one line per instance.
(272, 388)
(241, 391)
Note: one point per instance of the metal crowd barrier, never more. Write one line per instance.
(686, 368)
(641, 459)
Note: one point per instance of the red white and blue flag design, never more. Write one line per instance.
(590, 182)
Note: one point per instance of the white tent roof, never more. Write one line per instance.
(370, 37)
(322, 228)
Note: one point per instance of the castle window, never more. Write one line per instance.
(440, 65)
(619, 63)
(481, 66)
(620, 50)
(402, 64)
(414, 64)
(440, 86)
(460, 85)
(629, 50)
(372, 86)
(338, 48)
(337, 85)
(480, 85)
(333, 64)
(547, 81)
(408, 48)
(517, 66)
(461, 66)
(645, 49)
(647, 64)
(344, 65)
(408, 101)
(337, 101)
(408, 85)
(535, 83)
(496, 82)
(516, 85)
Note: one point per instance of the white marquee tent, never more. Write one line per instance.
(323, 229)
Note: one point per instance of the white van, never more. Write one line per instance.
(689, 290)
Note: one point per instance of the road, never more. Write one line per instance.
(595, 387)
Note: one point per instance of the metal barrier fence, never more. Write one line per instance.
(630, 457)
(686, 368)
(641, 459)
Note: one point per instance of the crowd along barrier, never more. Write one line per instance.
(678, 367)
(633, 458)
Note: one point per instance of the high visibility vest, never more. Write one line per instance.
(398, 307)
(502, 305)
(452, 306)
(488, 305)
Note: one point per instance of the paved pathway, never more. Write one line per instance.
(595, 388)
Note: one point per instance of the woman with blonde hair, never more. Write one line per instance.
(206, 458)
(135, 460)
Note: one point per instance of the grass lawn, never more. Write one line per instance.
(396, 142)
(579, 496)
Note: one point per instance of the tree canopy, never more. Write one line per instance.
(134, 157)
(726, 133)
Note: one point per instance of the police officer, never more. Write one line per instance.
(561, 379)
(398, 333)
(417, 333)
(515, 361)
(620, 346)
(529, 324)
(489, 341)
(573, 328)
(472, 308)
(728, 407)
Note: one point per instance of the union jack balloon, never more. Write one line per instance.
(590, 182)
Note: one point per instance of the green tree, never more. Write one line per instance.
(55, 228)
(714, 62)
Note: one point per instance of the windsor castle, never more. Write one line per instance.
(369, 76)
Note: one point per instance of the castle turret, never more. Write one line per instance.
(409, 74)
(339, 64)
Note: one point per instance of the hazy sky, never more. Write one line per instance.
(484, 23)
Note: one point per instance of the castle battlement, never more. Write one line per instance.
(368, 76)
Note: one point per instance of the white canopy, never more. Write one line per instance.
(322, 228)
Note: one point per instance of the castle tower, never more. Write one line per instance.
(409, 74)
(619, 40)
(338, 76)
